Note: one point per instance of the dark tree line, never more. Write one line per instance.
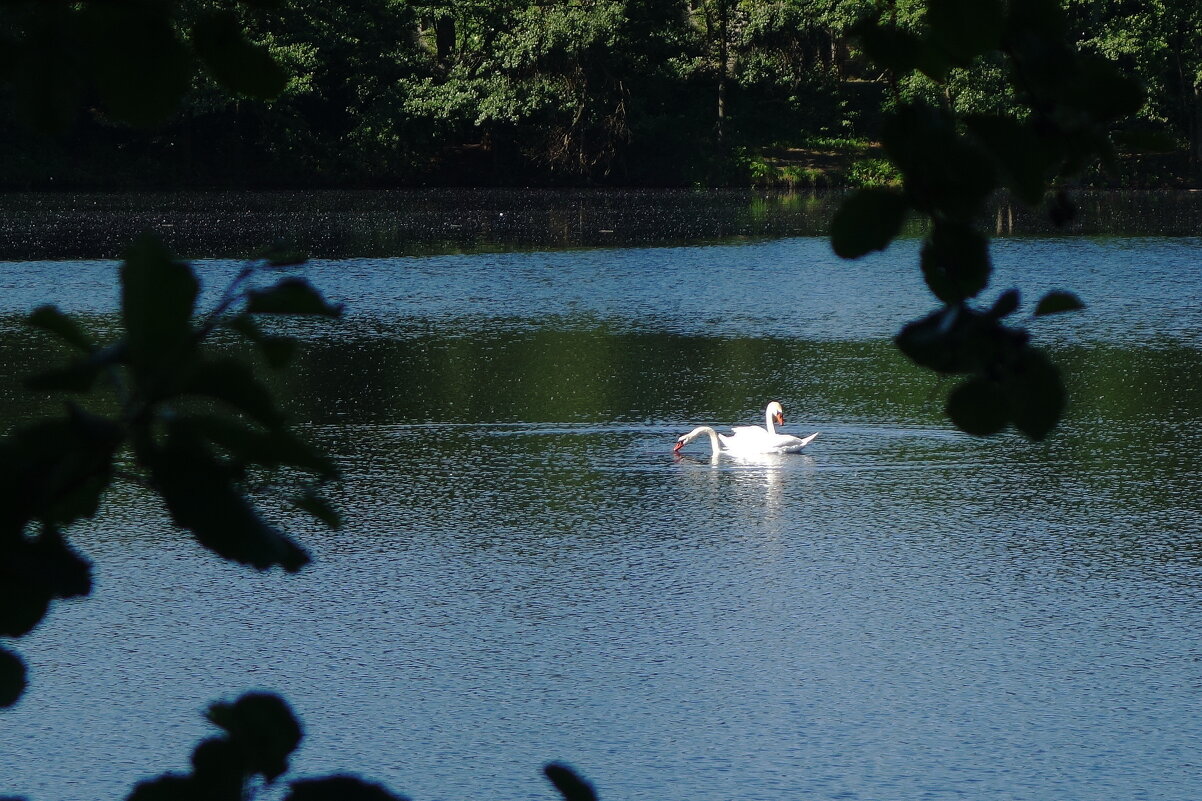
(512, 92)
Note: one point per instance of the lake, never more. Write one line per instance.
(527, 573)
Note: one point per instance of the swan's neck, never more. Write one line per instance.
(768, 422)
(715, 443)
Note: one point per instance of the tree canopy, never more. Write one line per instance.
(515, 92)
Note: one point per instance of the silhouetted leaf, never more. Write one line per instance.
(1036, 394)
(1147, 142)
(944, 171)
(867, 221)
(569, 784)
(239, 65)
(1101, 88)
(1037, 20)
(234, 383)
(1058, 301)
(290, 296)
(978, 407)
(140, 66)
(12, 677)
(201, 496)
(45, 72)
(1061, 209)
(339, 788)
(264, 730)
(270, 448)
(1020, 153)
(168, 787)
(955, 262)
(958, 339)
(1006, 304)
(219, 770)
(78, 376)
(24, 600)
(282, 254)
(320, 508)
(887, 46)
(277, 351)
(49, 318)
(157, 299)
(965, 28)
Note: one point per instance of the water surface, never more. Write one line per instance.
(527, 573)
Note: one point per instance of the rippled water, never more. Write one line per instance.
(527, 573)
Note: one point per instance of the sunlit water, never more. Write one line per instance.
(527, 573)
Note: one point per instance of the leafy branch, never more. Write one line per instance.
(951, 166)
(194, 426)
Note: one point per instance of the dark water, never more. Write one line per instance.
(527, 574)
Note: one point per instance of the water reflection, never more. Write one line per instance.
(338, 224)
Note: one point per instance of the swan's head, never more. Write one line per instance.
(777, 413)
(689, 437)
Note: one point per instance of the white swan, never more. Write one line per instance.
(751, 439)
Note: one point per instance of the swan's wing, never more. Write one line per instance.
(788, 444)
(803, 441)
(750, 431)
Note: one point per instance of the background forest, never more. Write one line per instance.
(606, 92)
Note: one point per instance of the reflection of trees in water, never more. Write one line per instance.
(412, 222)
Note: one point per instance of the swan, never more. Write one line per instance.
(751, 439)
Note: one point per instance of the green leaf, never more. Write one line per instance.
(320, 508)
(339, 788)
(139, 64)
(236, 63)
(955, 262)
(158, 295)
(12, 677)
(290, 296)
(1036, 394)
(49, 318)
(1058, 301)
(965, 29)
(978, 407)
(868, 220)
(232, 382)
(264, 730)
(569, 784)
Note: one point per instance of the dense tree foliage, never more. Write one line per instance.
(389, 92)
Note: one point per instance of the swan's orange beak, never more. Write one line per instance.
(780, 418)
(677, 446)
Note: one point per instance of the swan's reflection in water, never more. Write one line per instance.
(760, 485)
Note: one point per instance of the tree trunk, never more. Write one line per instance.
(723, 56)
(444, 37)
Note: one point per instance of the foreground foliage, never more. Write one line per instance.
(951, 163)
